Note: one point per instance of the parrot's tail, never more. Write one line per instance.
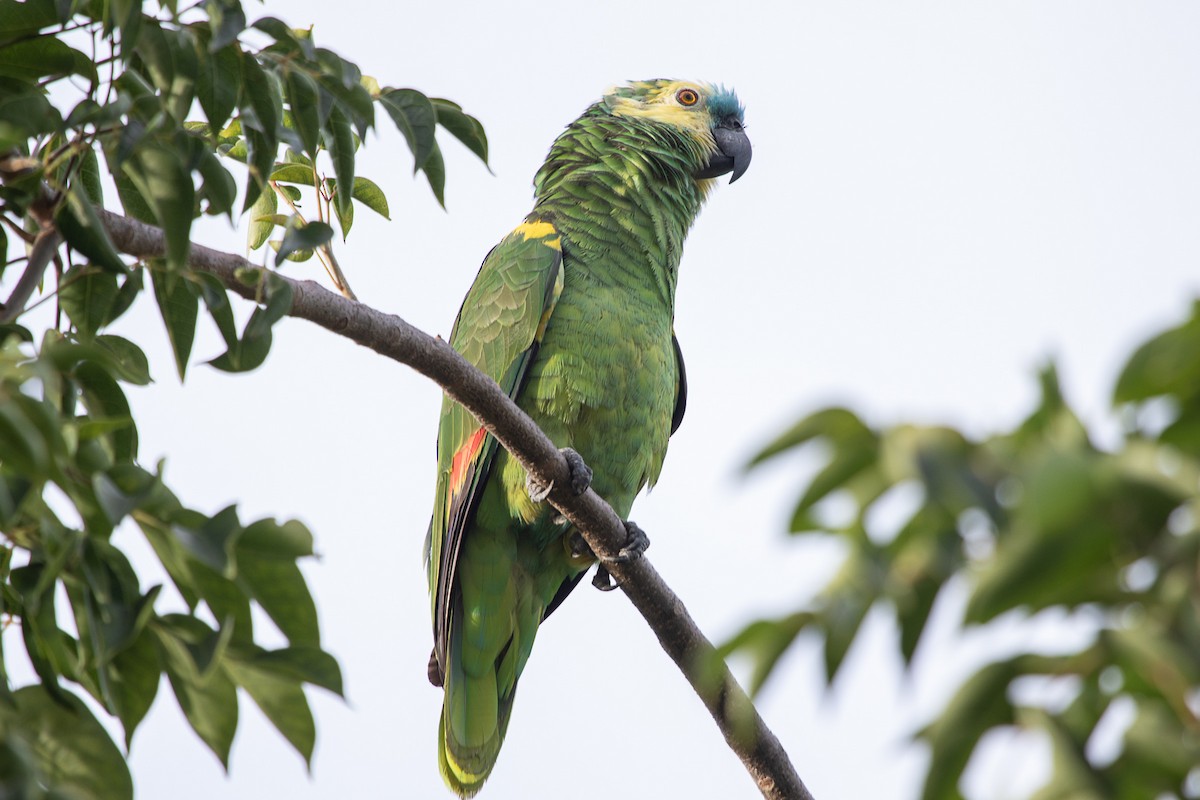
(474, 719)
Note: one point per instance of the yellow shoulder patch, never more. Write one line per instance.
(540, 230)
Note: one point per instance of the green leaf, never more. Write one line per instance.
(218, 84)
(131, 197)
(838, 424)
(127, 15)
(213, 541)
(261, 112)
(341, 148)
(216, 300)
(415, 118)
(24, 114)
(279, 587)
(88, 177)
(435, 172)
(87, 295)
(81, 228)
(251, 350)
(166, 183)
(845, 610)
(1079, 522)
(292, 40)
(219, 189)
(21, 444)
(260, 96)
(301, 174)
(765, 641)
(208, 701)
(267, 538)
(41, 57)
(179, 306)
(463, 127)
(302, 97)
(1166, 364)
(303, 237)
(72, 749)
(371, 196)
(345, 216)
(283, 702)
(104, 398)
(22, 20)
(261, 223)
(172, 555)
(304, 663)
(130, 361)
(133, 677)
(979, 705)
(228, 21)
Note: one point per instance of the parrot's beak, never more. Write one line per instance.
(733, 152)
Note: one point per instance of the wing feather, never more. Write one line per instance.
(498, 329)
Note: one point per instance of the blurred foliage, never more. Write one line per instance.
(1029, 521)
(174, 109)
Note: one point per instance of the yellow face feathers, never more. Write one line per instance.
(679, 103)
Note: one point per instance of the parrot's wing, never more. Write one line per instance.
(498, 329)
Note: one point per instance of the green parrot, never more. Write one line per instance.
(572, 315)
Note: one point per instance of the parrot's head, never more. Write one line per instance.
(707, 119)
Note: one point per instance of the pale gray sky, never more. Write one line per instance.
(943, 195)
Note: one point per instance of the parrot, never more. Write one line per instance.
(572, 314)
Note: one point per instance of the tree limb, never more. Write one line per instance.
(45, 245)
(45, 242)
(389, 335)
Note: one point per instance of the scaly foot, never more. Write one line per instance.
(636, 543)
(579, 481)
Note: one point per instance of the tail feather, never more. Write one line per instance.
(475, 713)
(466, 765)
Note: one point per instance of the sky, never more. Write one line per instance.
(943, 197)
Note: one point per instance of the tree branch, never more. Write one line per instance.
(45, 243)
(389, 335)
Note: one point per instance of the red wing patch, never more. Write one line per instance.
(463, 458)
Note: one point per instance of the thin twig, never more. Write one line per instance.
(324, 252)
(389, 335)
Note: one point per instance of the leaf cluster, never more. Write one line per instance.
(185, 112)
(83, 614)
(1034, 520)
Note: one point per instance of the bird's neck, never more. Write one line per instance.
(623, 200)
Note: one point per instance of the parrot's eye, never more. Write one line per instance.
(687, 97)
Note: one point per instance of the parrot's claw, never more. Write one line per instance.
(537, 491)
(580, 480)
(636, 543)
(581, 473)
(602, 581)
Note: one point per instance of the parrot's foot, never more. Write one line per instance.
(580, 480)
(579, 547)
(636, 543)
(602, 580)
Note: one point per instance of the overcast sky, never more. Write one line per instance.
(943, 196)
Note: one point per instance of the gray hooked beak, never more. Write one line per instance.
(733, 152)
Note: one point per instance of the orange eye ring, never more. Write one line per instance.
(687, 97)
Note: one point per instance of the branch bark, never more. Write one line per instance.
(390, 336)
